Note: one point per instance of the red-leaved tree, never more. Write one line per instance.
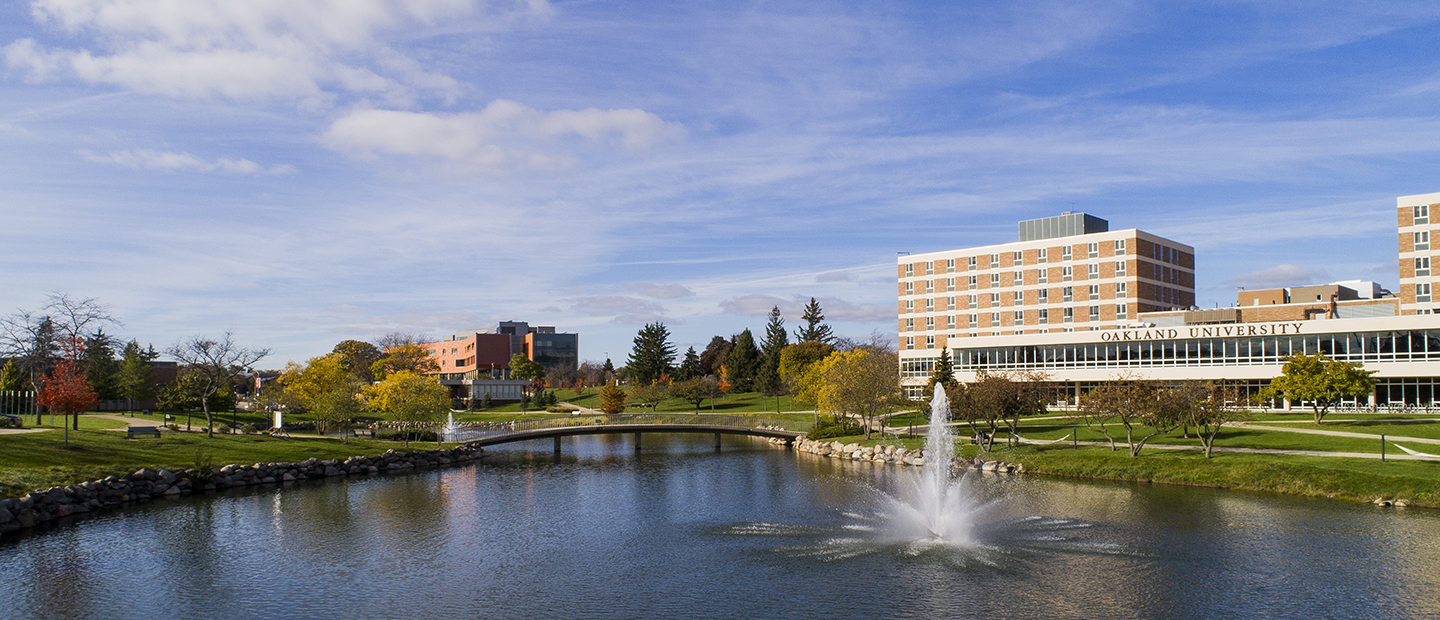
(68, 391)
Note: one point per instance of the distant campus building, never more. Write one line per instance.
(477, 362)
(1084, 305)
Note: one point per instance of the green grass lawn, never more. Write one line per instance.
(1426, 429)
(30, 461)
(730, 403)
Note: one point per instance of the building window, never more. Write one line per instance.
(929, 342)
(929, 323)
(1040, 255)
(994, 299)
(1121, 290)
(973, 282)
(909, 325)
(1422, 240)
(1422, 292)
(1041, 276)
(1119, 247)
(1094, 271)
(1120, 268)
(973, 321)
(909, 342)
(1422, 266)
(951, 301)
(929, 286)
(950, 322)
(995, 279)
(929, 267)
(929, 305)
(1019, 317)
(1067, 294)
(994, 261)
(1422, 214)
(994, 319)
(1017, 258)
(1119, 311)
(971, 302)
(909, 306)
(1094, 291)
(949, 284)
(1019, 297)
(950, 266)
(909, 288)
(909, 270)
(1065, 253)
(1069, 314)
(1094, 313)
(970, 262)
(1017, 278)
(1044, 316)
(1094, 250)
(1044, 295)
(1067, 273)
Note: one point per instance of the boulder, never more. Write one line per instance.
(331, 471)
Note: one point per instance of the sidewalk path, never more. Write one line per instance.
(1316, 431)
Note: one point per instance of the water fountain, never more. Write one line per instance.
(941, 513)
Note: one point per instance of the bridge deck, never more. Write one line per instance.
(609, 429)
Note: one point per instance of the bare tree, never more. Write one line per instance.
(218, 362)
(37, 339)
(76, 317)
(396, 339)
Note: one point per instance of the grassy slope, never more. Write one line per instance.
(38, 460)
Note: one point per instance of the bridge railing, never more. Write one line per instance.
(472, 431)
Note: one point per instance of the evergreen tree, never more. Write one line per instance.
(742, 362)
(767, 378)
(135, 381)
(690, 367)
(944, 374)
(101, 368)
(651, 356)
(609, 367)
(714, 355)
(815, 329)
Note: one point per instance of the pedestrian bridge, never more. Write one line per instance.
(503, 436)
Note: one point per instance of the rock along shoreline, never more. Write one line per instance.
(41, 507)
(893, 455)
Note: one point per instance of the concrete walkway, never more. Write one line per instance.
(1316, 431)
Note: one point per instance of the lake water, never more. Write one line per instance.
(681, 531)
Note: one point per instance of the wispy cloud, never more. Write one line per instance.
(659, 291)
(183, 162)
(622, 309)
(1278, 276)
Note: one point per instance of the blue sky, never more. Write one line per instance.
(304, 172)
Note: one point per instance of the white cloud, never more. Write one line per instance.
(499, 136)
(182, 162)
(255, 49)
(625, 310)
(836, 276)
(1278, 276)
(834, 308)
(659, 291)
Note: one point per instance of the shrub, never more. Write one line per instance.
(248, 429)
(173, 426)
(224, 428)
(830, 428)
(560, 409)
(410, 435)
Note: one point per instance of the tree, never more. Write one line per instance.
(410, 397)
(31, 340)
(696, 390)
(135, 378)
(796, 360)
(651, 356)
(944, 374)
(815, 330)
(1321, 381)
(67, 391)
(767, 377)
(357, 357)
(690, 366)
(10, 378)
(1144, 408)
(526, 369)
(714, 355)
(182, 394)
(855, 384)
(403, 358)
(649, 395)
(217, 362)
(612, 399)
(742, 362)
(101, 367)
(325, 387)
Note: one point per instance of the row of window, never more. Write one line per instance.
(1420, 345)
(1043, 317)
(1161, 294)
(973, 263)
